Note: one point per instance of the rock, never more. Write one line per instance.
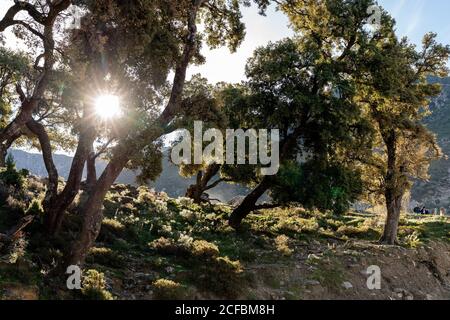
(347, 285)
(403, 294)
(170, 270)
(312, 283)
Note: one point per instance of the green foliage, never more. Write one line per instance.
(315, 184)
(352, 231)
(221, 276)
(164, 289)
(167, 247)
(330, 275)
(11, 177)
(282, 244)
(111, 230)
(413, 240)
(105, 257)
(94, 286)
(13, 67)
(35, 208)
(203, 249)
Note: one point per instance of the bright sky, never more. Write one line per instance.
(414, 19)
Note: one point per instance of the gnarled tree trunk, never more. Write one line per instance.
(92, 210)
(91, 179)
(55, 210)
(47, 21)
(394, 192)
(394, 206)
(248, 204)
(52, 187)
(196, 191)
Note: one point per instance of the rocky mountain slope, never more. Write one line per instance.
(154, 247)
(436, 192)
(169, 181)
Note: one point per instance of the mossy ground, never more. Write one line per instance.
(155, 247)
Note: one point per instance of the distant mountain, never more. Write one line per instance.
(169, 181)
(436, 192)
(433, 193)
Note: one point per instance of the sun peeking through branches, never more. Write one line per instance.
(107, 106)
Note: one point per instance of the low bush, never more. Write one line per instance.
(204, 249)
(282, 245)
(10, 176)
(105, 257)
(164, 289)
(94, 286)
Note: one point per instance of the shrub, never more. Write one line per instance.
(188, 215)
(113, 225)
(351, 231)
(16, 203)
(404, 231)
(35, 208)
(413, 240)
(105, 257)
(11, 177)
(166, 246)
(35, 185)
(168, 290)
(145, 195)
(94, 286)
(334, 224)
(204, 249)
(282, 244)
(111, 230)
(17, 250)
(220, 276)
(185, 202)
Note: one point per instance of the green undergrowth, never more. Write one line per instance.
(163, 248)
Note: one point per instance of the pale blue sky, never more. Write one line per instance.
(416, 17)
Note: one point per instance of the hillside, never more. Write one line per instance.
(155, 247)
(436, 192)
(169, 181)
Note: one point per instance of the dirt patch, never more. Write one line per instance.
(340, 272)
(14, 291)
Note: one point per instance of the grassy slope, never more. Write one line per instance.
(152, 247)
